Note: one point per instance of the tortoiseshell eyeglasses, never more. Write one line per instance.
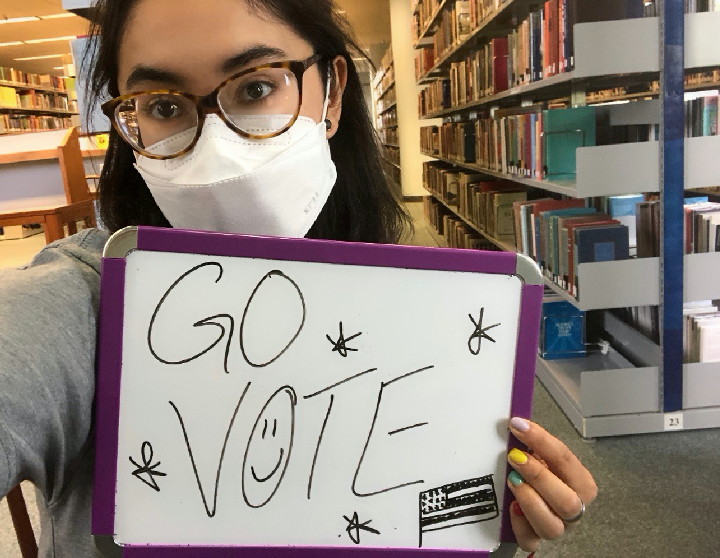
(257, 103)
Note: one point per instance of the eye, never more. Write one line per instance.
(265, 429)
(256, 91)
(274, 427)
(164, 109)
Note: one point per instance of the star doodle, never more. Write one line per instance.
(354, 527)
(480, 333)
(341, 344)
(147, 468)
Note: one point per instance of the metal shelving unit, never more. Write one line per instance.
(605, 394)
(614, 170)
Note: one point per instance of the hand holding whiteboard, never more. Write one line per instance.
(263, 396)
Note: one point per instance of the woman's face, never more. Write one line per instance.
(194, 46)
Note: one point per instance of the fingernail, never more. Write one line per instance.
(517, 510)
(516, 478)
(520, 424)
(517, 456)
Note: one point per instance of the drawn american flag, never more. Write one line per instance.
(458, 503)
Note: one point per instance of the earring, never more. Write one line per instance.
(328, 124)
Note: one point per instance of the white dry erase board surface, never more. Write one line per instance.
(330, 405)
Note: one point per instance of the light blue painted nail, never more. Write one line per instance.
(520, 424)
(516, 478)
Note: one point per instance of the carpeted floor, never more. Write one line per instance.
(659, 494)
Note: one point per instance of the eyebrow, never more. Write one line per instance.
(142, 74)
(253, 54)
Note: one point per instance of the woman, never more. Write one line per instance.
(286, 149)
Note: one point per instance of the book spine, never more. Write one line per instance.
(528, 145)
(499, 49)
(553, 39)
(546, 40)
(561, 35)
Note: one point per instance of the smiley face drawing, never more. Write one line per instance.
(268, 451)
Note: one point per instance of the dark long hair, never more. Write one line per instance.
(362, 206)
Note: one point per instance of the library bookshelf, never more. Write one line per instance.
(57, 115)
(613, 170)
(386, 119)
(619, 390)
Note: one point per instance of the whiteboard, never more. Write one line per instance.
(292, 403)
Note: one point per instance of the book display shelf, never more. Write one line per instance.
(33, 102)
(502, 74)
(385, 97)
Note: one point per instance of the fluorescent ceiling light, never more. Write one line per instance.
(18, 19)
(50, 40)
(40, 57)
(12, 43)
(59, 68)
(58, 16)
(34, 18)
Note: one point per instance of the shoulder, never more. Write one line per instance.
(63, 274)
(83, 249)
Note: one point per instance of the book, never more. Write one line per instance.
(534, 213)
(562, 330)
(499, 70)
(691, 311)
(708, 343)
(599, 244)
(466, 188)
(565, 130)
(520, 242)
(567, 237)
(502, 223)
(549, 224)
(551, 14)
(536, 60)
(710, 116)
(622, 208)
(486, 193)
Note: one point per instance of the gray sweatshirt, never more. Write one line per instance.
(48, 315)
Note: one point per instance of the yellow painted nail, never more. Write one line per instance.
(517, 456)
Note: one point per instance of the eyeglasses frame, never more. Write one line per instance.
(209, 105)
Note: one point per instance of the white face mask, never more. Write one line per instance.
(227, 183)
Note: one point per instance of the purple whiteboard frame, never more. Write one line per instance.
(110, 342)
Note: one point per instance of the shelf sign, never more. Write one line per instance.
(674, 421)
(102, 141)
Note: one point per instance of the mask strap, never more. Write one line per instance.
(327, 97)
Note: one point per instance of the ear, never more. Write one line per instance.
(338, 82)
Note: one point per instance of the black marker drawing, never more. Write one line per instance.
(210, 512)
(279, 461)
(480, 333)
(277, 418)
(317, 448)
(341, 344)
(271, 275)
(457, 503)
(383, 385)
(211, 321)
(147, 468)
(354, 527)
(336, 384)
(404, 428)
